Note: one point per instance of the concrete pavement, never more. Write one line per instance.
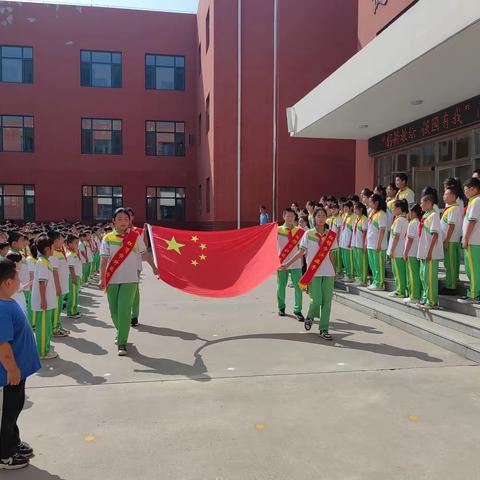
(227, 390)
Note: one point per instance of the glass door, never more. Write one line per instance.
(422, 177)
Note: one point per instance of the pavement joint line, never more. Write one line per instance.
(239, 377)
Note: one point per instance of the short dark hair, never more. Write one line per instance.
(402, 176)
(472, 183)
(14, 257)
(402, 204)
(360, 206)
(417, 209)
(120, 210)
(130, 210)
(289, 210)
(54, 235)
(43, 242)
(428, 198)
(8, 270)
(14, 236)
(71, 238)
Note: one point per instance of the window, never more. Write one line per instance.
(100, 69)
(207, 114)
(101, 136)
(445, 150)
(165, 203)
(165, 138)
(462, 147)
(200, 129)
(207, 195)
(16, 133)
(17, 202)
(16, 64)
(207, 31)
(99, 202)
(164, 72)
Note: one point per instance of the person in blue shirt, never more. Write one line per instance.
(264, 218)
(18, 360)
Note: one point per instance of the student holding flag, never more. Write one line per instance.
(289, 237)
(318, 244)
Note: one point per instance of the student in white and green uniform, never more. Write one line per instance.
(414, 284)
(334, 222)
(471, 240)
(345, 241)
(31, 261)
(124, 282)
(396, 247)
(430, 252)
(404, 192)
(451, 228)
(44, 298)
(284, 233)
(359, 245)
(321, 287)
(17, 244)
(391, 193)
(86, 257)
(377, 241)
(75, 276)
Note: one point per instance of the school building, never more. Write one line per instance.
(410, 96)
(180, 116)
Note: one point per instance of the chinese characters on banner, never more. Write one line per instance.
(447, 120)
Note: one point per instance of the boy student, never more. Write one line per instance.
(85, 256)
(289, 237)
(451, 228)
(410, 256)
(345, 241)
(358, 245)
(404, 193)
(18, 360)
(430, 252)
(471, 239)
(44, 298)
(17, 243)
(75, 276)
(119, 273)
(61, 273)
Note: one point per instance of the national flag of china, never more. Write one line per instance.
(216, 264)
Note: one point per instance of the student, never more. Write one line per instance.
(31, 261)
(396, 247)
(456, 185)
(96, 241)
(90, 253)
(391, 191)
(18, 360)
(84, 258)
(404, 192)
(410, 256)
(310, 206)
(44, 298)
(318, 245)
(122, 279)
(17, 244)
(345, 241)
(376, 241)
(432, 192)
(303, 222)
(451, 228)
(19, 295)
(430, 252)
(289, 238)
(365, 195)
(380, 190)
(61, 274)
(264, 218)
(358, 242)
(75, 276)
(334, 222)
(4, 248)
(471, 240)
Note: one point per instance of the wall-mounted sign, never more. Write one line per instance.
(448, 120)
(377, 3)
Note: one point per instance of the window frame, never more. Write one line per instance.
(91, 62)
(174, 67)
(175, 133)
(24, 136)
(158, 197)
(23, 60)
(2, 201)
(91, 217)
(92, 140)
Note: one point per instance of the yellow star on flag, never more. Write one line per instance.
(203, 246)
(174, 245)
(194, 263)
(203, 257)
(194, 238)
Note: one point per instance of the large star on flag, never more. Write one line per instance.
(174, 245)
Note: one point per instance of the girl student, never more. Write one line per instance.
(119, 273)
(432, 192)
(365, 195)
(451, 227)
(391, 191)
(345, 241)
(414, 285)
(456, 184)
(430, 252)
(334, 222)
(376, 241)
(358, 244)
(396, 247)
(310, 206)
(75, 278)
(318, 245)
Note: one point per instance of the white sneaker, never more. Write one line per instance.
(374, 288)
(357, 283)
(50, 355)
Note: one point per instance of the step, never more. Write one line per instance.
(451, 314)
(460, 343)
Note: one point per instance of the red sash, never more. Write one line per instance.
(292, 242)
(129, 241)
(323, 250)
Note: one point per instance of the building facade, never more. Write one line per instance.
(103, 107)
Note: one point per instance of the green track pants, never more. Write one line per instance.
(43, 321)
(376, 260)
(452, 265)
(120, 301)
(400, 274)
(321, 295)
(57, 315)
(414, 284)
(73, 291)
(338, 261)
(28, 301)
(472, 269)
(347, 260)
(360, 264)
(429, 277)
(282, 280)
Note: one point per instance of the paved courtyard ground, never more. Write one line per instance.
(227, 390)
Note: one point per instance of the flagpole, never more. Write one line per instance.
(239, 109)
(274, 134)
(152, 244)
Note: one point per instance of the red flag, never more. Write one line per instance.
(216, 264)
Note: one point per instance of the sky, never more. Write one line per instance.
(166, 5)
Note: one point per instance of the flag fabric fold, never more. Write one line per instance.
(215, 264)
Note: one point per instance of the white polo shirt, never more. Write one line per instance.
(399, 229)
(359, 229)
(282, 242)
(473, 213)
(346, 231)
(310, 244)
(431, 225)
(23, 272)
(452, 215)
(43, 273)
(376, 222)
(412, 232)
(127, 272)
(406, 194)
(59, 261)
(74, 261)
